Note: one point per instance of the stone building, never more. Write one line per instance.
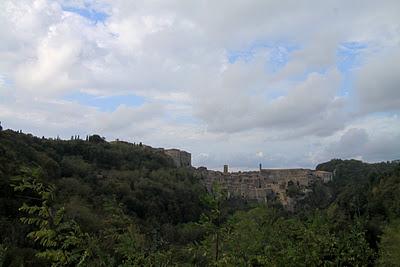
(181, 158)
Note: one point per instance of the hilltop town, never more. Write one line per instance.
(286, 186)
(264, 185)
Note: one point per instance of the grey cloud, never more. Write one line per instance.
(378, 82)
(387, 148)
(129, 117)
(351, 144)
(358, 143)
(307, 103)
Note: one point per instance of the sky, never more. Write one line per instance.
(283, 83)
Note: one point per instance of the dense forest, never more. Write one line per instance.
(97, 203)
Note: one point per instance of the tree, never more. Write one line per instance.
(63, 241)
(389, 249)
(212, 223)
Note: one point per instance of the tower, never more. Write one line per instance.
(225, 168)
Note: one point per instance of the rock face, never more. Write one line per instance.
(181, 158)
(266, 184)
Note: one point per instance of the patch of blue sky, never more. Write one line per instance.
(88, 13)
(348, 58)
(348, 55)
(276, 59)
(280, 56)
(106, 103)
(4, 81)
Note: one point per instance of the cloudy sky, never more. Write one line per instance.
(282, 83)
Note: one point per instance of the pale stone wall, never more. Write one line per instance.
(325, 176)
(181, 158)
(186, 159)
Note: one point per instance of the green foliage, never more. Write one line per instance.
(73, 165)
(130, 246)
(3, 251)
(389, 253)
(99, 203)
(260, 237)
(385, 195)
(211, 222)
(63, 241)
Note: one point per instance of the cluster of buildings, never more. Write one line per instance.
(266, 184)
(263, 185)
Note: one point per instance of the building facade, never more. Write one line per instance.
(181, 158)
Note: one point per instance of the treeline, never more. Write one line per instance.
(98, 203)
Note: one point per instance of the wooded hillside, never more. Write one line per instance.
(99, 203)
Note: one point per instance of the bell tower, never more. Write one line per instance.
(225, 169)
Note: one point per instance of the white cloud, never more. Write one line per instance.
(307, 103)
(175, 55)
